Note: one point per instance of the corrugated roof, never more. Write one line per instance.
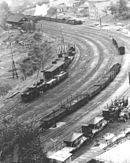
(55, 66)
(15, 18)
(74, 136)
(60, 156)
(97, 119)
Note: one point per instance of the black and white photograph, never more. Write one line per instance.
(64, 81)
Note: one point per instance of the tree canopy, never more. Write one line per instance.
(120, 9)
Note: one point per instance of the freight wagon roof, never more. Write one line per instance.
(60, 156)
(55, 66)
(74, 136)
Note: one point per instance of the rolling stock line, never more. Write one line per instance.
(61, 131)
(94, 89)
(76, 119)
(57, 20)
(96, 68)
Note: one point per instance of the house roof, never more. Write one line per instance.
(73, 137)
(60, 156)
(15, 18)
(97, 119)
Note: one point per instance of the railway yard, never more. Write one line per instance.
(94, 57)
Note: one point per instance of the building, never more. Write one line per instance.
(20, 21)
(60, 156)
(16, 19)
(62, 8)
(84, 9)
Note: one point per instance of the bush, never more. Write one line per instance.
(33, 62)
(27, 139)
(120, 9)
(4, 88)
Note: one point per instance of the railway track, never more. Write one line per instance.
(50, 97)
(80, 79)
(78, 73)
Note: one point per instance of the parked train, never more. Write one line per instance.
(58, 20)
(55, 73)
(80, 100)
(121, 49)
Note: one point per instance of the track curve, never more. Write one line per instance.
(95, 55)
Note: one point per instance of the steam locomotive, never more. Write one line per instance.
(55, 73)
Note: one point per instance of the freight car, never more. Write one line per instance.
(78, 101)
(58, 20)
(121, 49)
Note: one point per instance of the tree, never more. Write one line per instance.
(52, 11)
(113, 8)
(120, 9)
(4, 12)
(26, 137)
(122, 6)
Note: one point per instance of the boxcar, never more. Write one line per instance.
(121, 50)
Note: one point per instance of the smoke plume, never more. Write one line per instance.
(4, 12)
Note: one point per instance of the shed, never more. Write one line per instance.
(16, 19)
(98, 119)
(73, 139)
(60, 156)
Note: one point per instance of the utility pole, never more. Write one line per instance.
(43, 58)
(14, 70)
(100, 22)
(129, 78)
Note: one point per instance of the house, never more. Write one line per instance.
(16, 19)
(60, 156)
(20, 21)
